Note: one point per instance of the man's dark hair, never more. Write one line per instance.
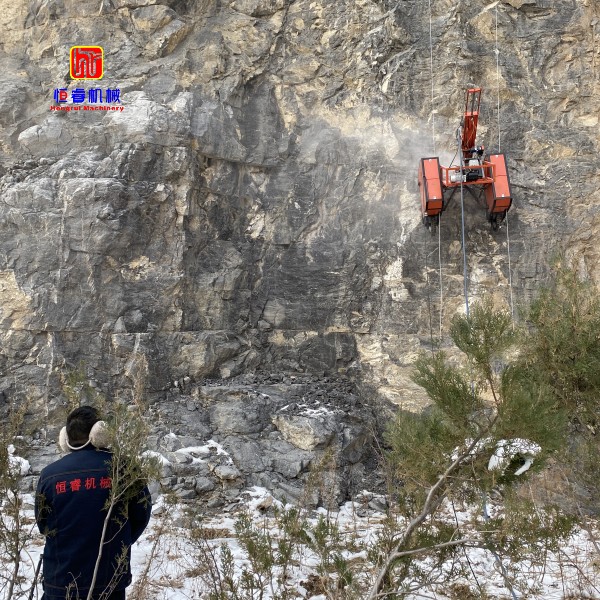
(80, 422)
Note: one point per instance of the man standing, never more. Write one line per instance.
(72, 512)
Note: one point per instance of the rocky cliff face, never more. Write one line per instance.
(254, 205)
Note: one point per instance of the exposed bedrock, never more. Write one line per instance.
(254, 208)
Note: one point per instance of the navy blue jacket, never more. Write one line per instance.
(70, 510)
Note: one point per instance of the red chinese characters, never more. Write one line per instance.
(87, 484)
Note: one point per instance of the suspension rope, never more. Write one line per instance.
(464, 548)
(428, 294)
(497, 78)
(510, 286)
(433, 154)
(512, 312)
(462, 218)
(439, 223)
(440, 272)
(503, 572)
(431, 71)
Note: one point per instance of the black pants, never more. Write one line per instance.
(114, 596)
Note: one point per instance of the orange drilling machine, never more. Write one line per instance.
(486, 178)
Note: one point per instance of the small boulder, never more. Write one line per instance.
(204, 485)
(227, 472)
(306, 432)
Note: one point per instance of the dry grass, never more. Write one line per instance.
(211, 533)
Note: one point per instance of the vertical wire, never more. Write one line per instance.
(433, 146)
(440, 271)
(431, 70)
(503, 572)
(510, 286)
(462, 216)
(429, 295)
(512, 313)
(498, 78)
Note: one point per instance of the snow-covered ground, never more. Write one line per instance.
(168, 565)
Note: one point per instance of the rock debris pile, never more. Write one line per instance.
(303, 438)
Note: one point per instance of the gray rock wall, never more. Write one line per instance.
(254, 206)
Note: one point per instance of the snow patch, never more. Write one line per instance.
(162, 460)
(17, 464)
(504, 452)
